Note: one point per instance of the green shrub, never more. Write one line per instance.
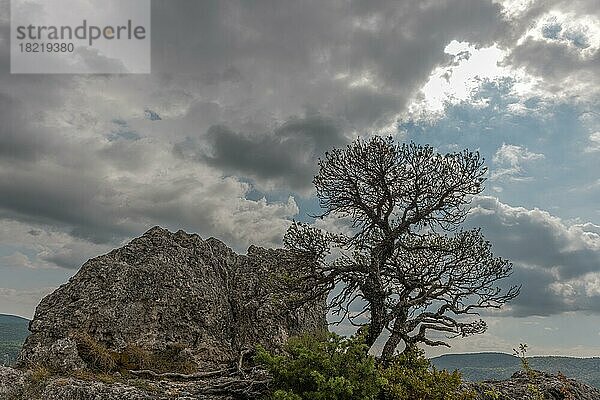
(329, 367)
(410, 376)
(326, 367)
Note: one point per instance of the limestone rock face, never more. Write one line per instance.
(12, 383)
(168, 288)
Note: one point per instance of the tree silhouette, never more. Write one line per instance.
(406, 263)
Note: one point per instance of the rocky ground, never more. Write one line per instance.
(39, 385)
(35, 385)
(531, 386)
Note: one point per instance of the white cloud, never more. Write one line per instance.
(460, 79)
(594, 144)
(510, 161)
(456, 81)
(550, 52)
(41, 246)
(558, 42)
(567, 28)
(17, 259)
(586, 285)
(21, 302)
(515, 8)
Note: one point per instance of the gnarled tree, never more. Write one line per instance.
(406, 263)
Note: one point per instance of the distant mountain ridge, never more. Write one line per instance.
(13, 331)
(497, 366)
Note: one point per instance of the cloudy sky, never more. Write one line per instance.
(221, 138)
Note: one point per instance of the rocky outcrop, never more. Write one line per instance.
(170, 289)
(533, 385)
(31, 385)
(194, 299)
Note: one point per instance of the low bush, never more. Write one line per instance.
(410, 376)
(323, 367)
(329, 367)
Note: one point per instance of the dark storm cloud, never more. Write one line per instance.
(73, 253)
(66, 261)
(407, 38)
(556, 61)
(18, 139)
(546, 253)
(365, 107)
(536, 297)
(286, 156)
(288, 54)
(537, 239)
(64, 198)
(542, 294)
(239, 67)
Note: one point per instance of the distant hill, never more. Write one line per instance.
(484, 366)
(13, 331)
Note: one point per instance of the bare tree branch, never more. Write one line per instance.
(407, 260)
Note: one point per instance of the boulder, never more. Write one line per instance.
(170, 289)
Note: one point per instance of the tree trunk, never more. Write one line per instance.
(373, 292)
(377, 325)
(390, 346)
(397, 336)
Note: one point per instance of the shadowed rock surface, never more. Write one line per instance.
(166, 289)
